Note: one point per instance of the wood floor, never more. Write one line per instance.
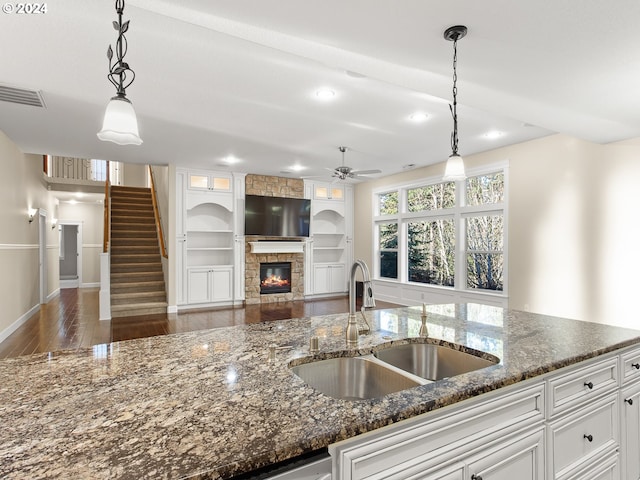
(70, 321)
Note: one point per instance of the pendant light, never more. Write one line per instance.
(454, 169)
(120, 124)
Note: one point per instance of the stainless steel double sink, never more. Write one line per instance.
(389, 370)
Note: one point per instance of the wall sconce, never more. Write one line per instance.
(54, 223)
(32, 214)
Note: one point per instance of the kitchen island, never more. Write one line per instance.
(211, 404)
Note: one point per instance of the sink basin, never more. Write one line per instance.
(432, 362)
(352, 378)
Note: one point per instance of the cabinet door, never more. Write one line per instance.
(321, 278)
(221, 283)
(338, 280)
(521, 458)
(199, 285)
(630, 448)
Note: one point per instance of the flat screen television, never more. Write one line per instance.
(276, 216)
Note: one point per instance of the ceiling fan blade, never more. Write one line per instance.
(365, 172)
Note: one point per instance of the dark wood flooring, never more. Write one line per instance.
(70, 321)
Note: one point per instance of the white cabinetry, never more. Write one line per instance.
(583, 425)
(630, 415)
(331, 251)
(498, 438)
(206, 243)
(578, 423)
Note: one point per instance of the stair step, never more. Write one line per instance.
(120, 258)
(119, 311)
(136, 267)
(135, 298)
(142, 286)
(120, 241)
(145, 230)
(123, 208)
(119, 278)
(121, 190)
(137, 219)
(128, 249)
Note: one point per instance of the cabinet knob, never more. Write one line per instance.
(589, 385)
(629, 401)
(589, 437)
(636, 366)
(476, 477)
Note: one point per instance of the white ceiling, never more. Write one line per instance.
(220, 78)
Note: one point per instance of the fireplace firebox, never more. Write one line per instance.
(275, 277)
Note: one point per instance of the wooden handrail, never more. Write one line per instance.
(156, 213)
(106, 231)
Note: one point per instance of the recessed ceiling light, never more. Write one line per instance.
(418, 117)
(297, 168)
(325, 94)
(493, 134)
(230, 160)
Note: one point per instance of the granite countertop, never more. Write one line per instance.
(209, 405)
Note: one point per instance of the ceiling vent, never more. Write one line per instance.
(21, 96)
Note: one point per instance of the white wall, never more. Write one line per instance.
(21, 187)
(572, 225)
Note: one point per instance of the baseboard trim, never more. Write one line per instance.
(18, 323)
(172, 309)
(90, 285)
(53, 295)
(69, 283)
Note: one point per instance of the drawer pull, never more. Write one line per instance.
(476, 477)
(589, 437)
(636, 366)
(589, 385)
(629, 401)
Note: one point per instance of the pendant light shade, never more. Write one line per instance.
(120, 124)
(454, 169)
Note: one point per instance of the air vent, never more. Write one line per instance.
(21, 96)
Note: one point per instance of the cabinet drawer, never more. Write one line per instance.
(605, 468)
(582, 385)
(585, 434)
(631, 366)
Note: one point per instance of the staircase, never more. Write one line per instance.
(137, 281)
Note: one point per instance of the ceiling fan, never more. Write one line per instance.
(343, 172)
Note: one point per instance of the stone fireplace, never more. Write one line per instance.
(273, 250)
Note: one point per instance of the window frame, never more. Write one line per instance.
(460, 212)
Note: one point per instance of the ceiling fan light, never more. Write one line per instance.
(454, 169)
(120, 124)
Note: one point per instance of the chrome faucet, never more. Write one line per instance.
(367, 301)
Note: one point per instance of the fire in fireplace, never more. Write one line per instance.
(275, 277)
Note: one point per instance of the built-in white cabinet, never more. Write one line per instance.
(584, 417)
(330, 252)
(329, 278)
(209, 181)
(630, 415)
(206, 243)
(500, 437)
(581, 422)
(210, 284)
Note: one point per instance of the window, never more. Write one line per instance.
(388, 248)
(98, 170)
(444, 234)
(431, 252)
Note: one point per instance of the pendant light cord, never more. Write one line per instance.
(454, 113)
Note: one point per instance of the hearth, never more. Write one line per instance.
(275, 277)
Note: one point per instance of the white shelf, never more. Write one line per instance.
(209, 231)
(329, 248)
(209, 248)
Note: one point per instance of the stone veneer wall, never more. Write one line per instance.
(272, 187)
